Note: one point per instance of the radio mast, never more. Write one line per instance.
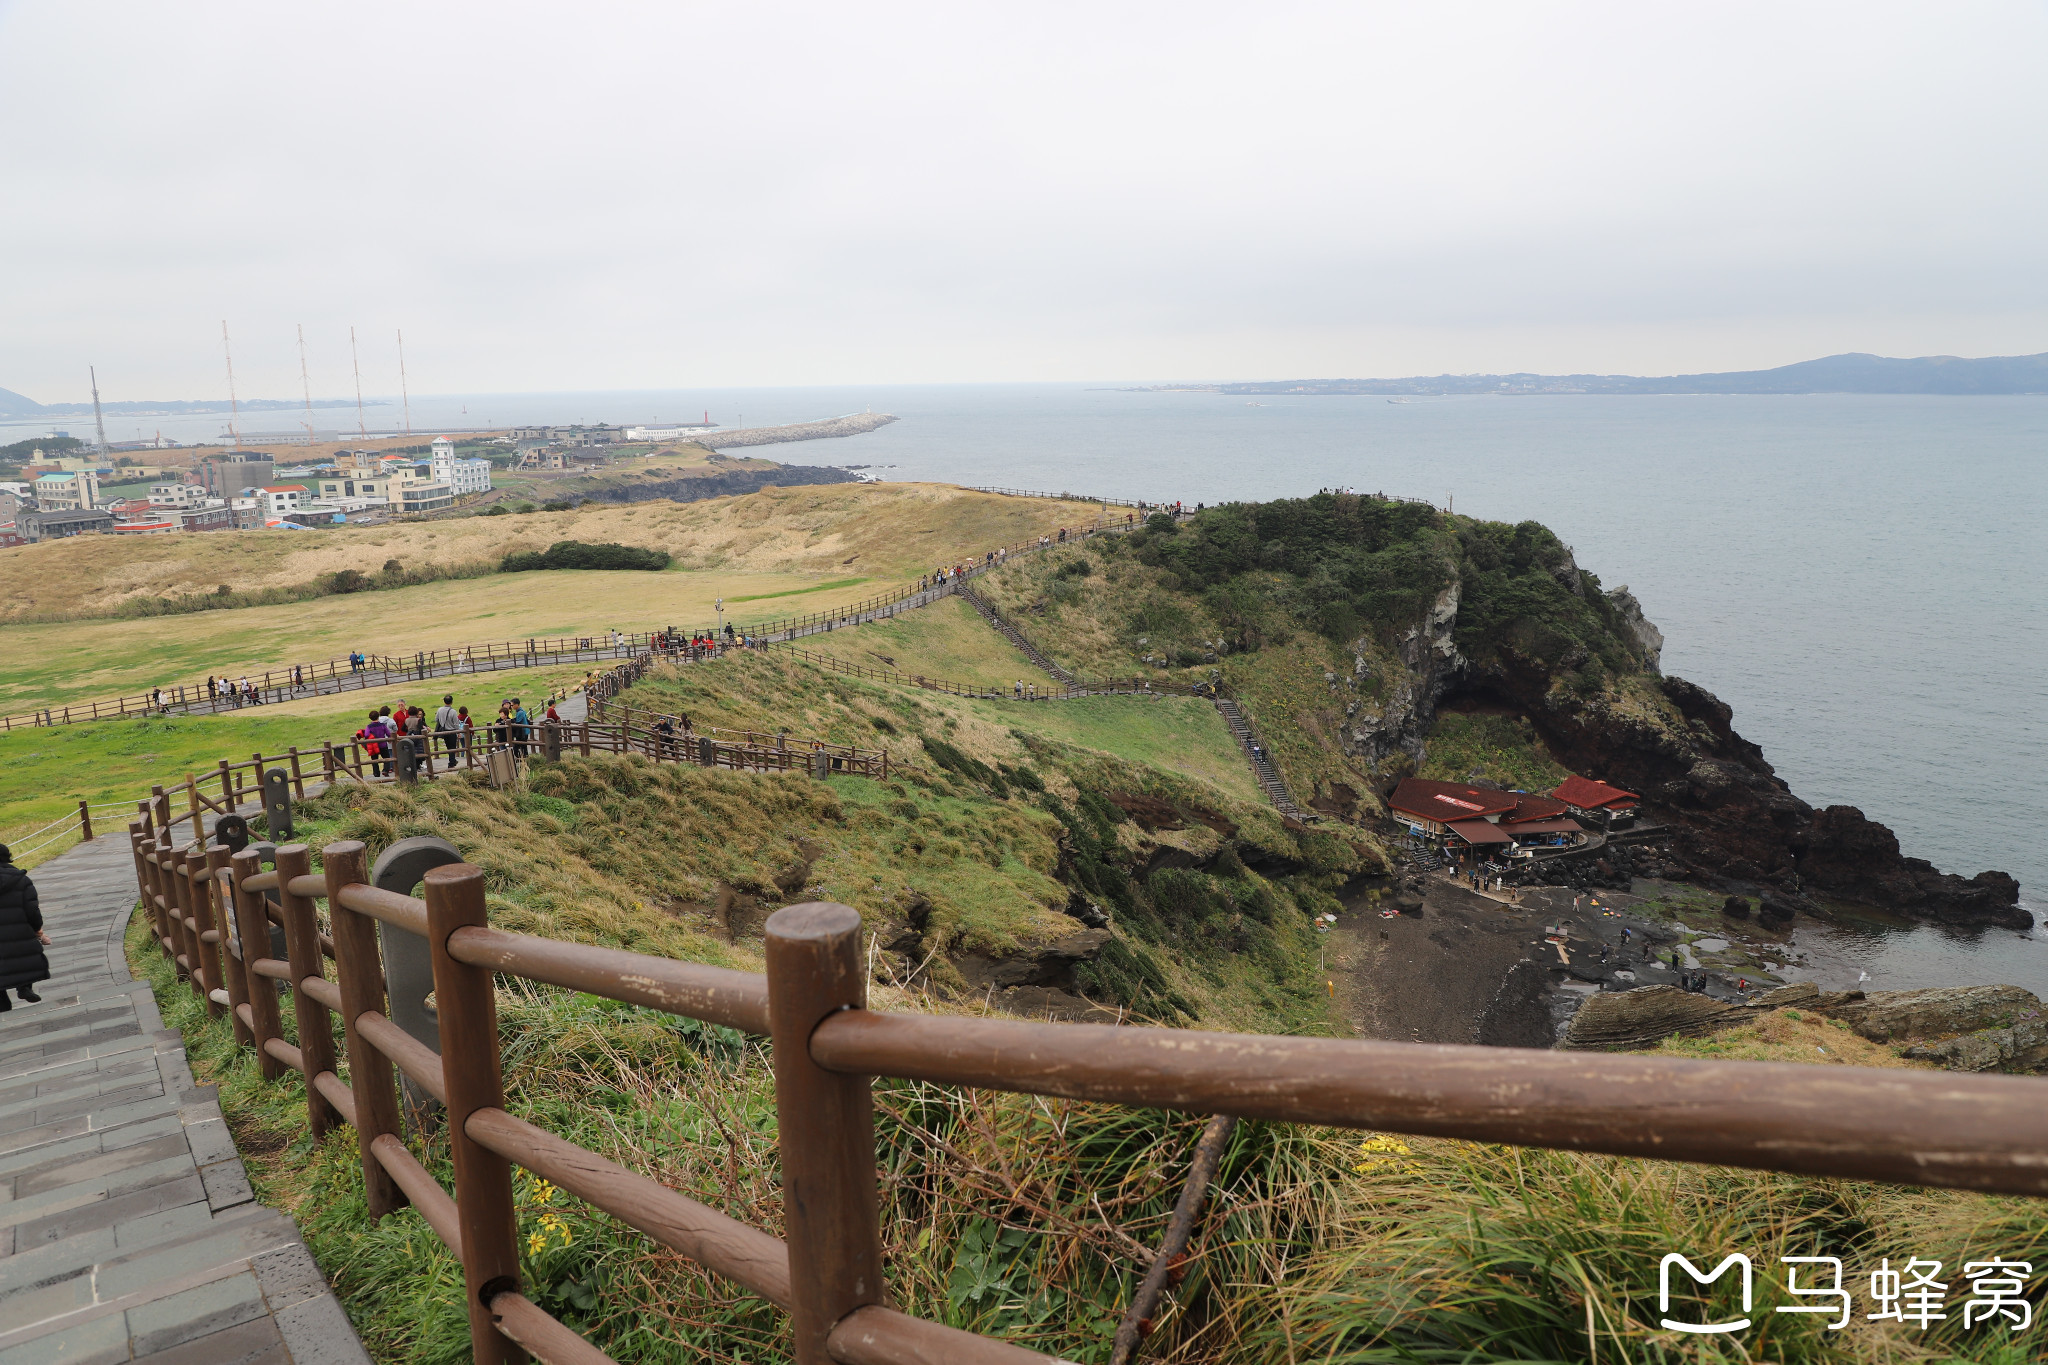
(404, 394)
(97, 420)
(361, 430)
(234, 414)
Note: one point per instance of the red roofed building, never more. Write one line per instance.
(1585, 793)
(1479, 815)
(1436, 806)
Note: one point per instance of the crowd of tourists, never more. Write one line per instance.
(451, 733)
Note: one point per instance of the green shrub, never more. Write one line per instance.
(575, 554)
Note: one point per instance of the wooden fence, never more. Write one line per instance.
(210, 910)
(383, 670)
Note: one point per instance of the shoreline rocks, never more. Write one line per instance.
(1959, 1028)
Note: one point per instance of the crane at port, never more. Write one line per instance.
(361, 430)
(234, 411)
(404, 392)
(306, 387)
(97, 420)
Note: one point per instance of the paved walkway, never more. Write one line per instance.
(127, 1228)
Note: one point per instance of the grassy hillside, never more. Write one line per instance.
(946, 640)
(767, 555)
(1309, 611)
(830, 531)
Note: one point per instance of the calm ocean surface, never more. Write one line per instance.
(1862, 578)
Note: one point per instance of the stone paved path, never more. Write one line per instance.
(127, 1227)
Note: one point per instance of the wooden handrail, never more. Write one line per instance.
(1918, 1128)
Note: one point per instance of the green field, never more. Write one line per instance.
(50, 770)
(80, 661)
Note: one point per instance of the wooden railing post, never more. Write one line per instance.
(170, 864)
(252, 925)
(302, 946)
(153, 897)
(825, 1125)
(465, 1000)
(206, 956)
(220, 900)
(84, 822)
(361, 971)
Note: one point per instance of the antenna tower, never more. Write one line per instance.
(361, 430)
(404, 393)
(306, 386)
(97, 420)
(234, 412)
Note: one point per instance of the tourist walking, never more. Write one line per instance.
(522, 728)
(448, 725)
(22, 937)
(468, 729)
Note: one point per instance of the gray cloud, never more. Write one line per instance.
(611, 196)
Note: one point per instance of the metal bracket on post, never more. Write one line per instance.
(277, 805)
(408, 960)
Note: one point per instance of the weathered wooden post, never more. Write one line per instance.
(84, 822)
(361, 977)
(468, 1009)
(178, 902)
(234, 971)
(825, 1125)
(253, 926)
(302, 944)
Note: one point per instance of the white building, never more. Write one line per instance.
(176, 495)
(280, 500)
(71, 492)
(425, 497)
(463, 477)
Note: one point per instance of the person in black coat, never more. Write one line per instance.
(22, 939)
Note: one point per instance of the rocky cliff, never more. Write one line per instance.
(1436, 610)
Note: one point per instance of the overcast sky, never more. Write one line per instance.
(600, 196)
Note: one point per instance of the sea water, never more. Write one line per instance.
(1862, 578)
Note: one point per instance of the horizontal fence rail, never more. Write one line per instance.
(211, 911)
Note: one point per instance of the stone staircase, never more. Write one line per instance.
(128, 1231)
(1023, 642)
(1262, 763)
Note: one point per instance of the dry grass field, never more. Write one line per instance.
(769, 554)
(834, 530)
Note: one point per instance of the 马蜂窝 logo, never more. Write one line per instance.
(1997, 1293)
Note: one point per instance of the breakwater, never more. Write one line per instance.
(853, 424)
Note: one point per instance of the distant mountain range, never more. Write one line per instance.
(1852, 373)
(13, 404)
